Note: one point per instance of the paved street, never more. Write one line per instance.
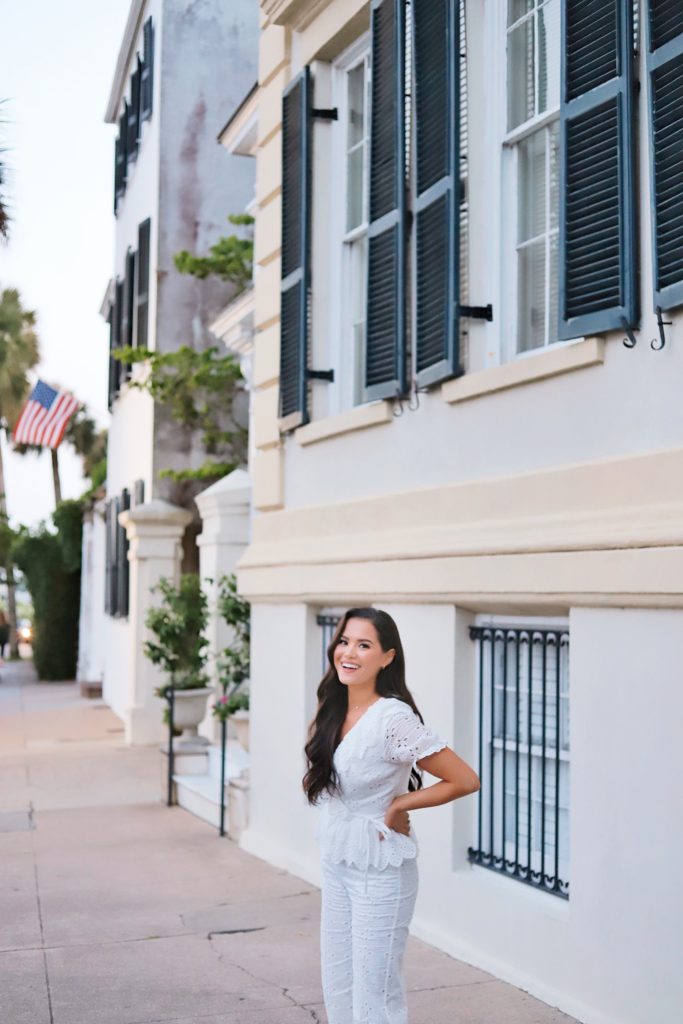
(118, 910)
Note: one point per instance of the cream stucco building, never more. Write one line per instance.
(463, 229)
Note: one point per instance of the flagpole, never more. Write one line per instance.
(55, 476)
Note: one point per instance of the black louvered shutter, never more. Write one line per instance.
(133, 126)
(598, 286)
(147, 73)
(122, 575)
(296, 244)
(111, 388)
(108, 558)
(142, 296)
(385, 338)
(436, 56)
(664, 26)
(121, 159)
(115, 326)
(128, 311)
(114, 535)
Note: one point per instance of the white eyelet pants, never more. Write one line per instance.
(363, 931)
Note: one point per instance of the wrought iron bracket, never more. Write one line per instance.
(657, 344)
(326, 113)
(630, 341)
(478, 312)
(327, 375)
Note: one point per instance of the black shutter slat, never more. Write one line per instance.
(664, 50)
(385, 330)
(147, 71)
(598, 285)
(296, 271)
(665, 18)
(436, 54)
(142, 297)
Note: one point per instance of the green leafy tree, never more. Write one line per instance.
(51, 563)
(199, 390)
(18, 354)
(4, 212)
(230, 259)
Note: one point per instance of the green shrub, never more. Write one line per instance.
(51, 564)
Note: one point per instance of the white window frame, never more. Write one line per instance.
(504, 181)
(345, 392)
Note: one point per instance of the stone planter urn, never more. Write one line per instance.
(241, 722)
(189, 708)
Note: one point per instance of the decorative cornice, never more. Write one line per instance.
(126, 50)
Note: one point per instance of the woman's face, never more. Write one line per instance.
(358, 656)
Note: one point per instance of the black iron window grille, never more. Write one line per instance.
(523, 811)
(328, 624)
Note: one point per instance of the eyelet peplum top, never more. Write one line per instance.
(373, 763)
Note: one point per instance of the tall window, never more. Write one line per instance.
(354, 125)
(523, 811)
(533, 97)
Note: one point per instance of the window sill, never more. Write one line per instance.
(550, 363)
(353, 419)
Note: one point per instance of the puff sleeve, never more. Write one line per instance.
(406, 739)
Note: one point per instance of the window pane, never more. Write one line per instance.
(553, 305)
(516, 8)
(554, 160)
(356, 79)
(531, 296)
(521, 74)
(531, 186)
(357, 265)
(549, 56)
(354, 201)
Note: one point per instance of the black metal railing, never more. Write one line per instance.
(523, 810)
(328, 624)
(169, 694)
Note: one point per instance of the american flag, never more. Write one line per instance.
(44, 418)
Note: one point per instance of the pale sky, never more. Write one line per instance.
(55, 74)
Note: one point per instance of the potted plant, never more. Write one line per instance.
(178, 625)
(233, 662)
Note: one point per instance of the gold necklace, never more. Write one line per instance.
(356, 707)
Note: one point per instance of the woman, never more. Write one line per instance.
(363, 744)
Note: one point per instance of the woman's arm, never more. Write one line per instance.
(457, 780)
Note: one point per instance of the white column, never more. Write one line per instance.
(155, 532)
(224, 509)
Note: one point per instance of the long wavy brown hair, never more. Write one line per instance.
(324, 732)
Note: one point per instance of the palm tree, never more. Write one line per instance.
(18, 354)
(4, 212)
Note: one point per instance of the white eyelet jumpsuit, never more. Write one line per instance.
(369, 883)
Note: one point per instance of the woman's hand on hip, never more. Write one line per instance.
(397, 819)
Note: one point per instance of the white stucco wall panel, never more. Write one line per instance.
(591, 955)
(628, 405)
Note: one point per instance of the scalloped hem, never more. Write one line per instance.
(393, 861)
(434, 749)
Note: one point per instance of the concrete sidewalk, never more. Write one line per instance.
(118, 910)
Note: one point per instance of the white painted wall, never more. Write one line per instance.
(92, 619)
(611, 953)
